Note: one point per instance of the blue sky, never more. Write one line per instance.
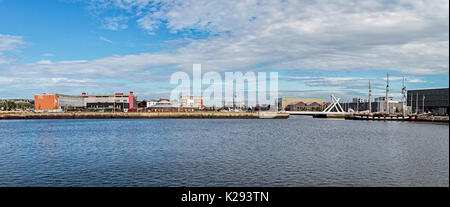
(317, 47)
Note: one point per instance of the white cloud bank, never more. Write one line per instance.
(407, 36)
(411, 37)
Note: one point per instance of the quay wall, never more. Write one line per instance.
(143, 115)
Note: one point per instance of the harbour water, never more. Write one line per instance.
(299, 151)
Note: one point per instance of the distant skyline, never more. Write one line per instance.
(317, 47)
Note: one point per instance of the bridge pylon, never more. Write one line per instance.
(334, 105)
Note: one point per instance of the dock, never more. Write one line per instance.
(147, 115)
(320, 114)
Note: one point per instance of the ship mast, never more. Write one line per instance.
(370, 95)
(404, 97)
(387, 94)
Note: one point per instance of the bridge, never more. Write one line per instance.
(333, 110)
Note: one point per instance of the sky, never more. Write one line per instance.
(317, 47)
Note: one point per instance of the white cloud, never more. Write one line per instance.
(105, 39)
(115, 23)
(8, 44)
(148, 24)
(411, 37)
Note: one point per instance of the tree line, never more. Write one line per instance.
(13, 105)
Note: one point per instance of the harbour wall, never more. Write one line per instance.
(146, 115)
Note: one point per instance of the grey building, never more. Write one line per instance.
(431, 100)
(378, 105)
(66, 101)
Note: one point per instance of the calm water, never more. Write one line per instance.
(300, 151)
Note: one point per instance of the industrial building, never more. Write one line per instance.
(57, 102)
(434, 101)
(302, 106)
(166, 105)
(60, 102)
(377, 105)
(284, 102)
(118, 100)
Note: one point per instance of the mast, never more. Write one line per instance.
(357, 104)
(387, 94)
(404, 97)
(370, 94)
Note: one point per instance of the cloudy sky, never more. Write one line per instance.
(317, 47)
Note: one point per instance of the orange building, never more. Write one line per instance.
(60, 102)
(46, 102)
(57, 102)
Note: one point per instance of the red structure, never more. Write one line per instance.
(130, 100)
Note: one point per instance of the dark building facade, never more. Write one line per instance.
(431, 100)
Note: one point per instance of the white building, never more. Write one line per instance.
(192, 101)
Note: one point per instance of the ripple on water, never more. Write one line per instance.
(184, 152)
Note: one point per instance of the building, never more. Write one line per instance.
(360, 100)
(142, 104)
(118, 100)
(394, 106)
(302, 106)
(429, 100)
(169, 108)
(166, 105)
(162, 102)
(377, 105)
(192, 101)
(383, 98)
(284, 102)
(60, 102)
(57, 102)
(151, 103)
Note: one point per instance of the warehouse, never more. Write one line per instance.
(57, 102)
(118, 100)
(283, 103)
(433, 101)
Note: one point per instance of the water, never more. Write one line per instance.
(299, 151)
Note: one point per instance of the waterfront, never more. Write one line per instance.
(300, 151)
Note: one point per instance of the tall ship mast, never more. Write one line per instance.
(370, 95)
(404, 97)
(387, 94)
